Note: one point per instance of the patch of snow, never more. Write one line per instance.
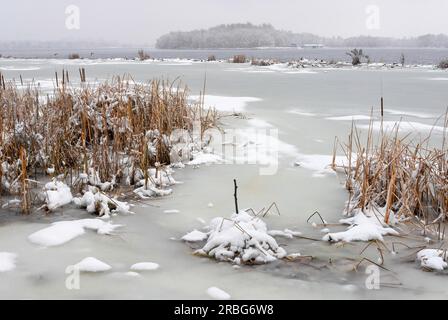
(195, 236)
(433, 259)
(7, 261)
(321, 164)
(409, 113)
(145, 266)
(17, 68)
(293, 256)
(218, 294)
(12, 202)
(57, 194)
(286, 233)
(91, 264)
(226, 104)
(94, 201)
(363, 227)
(64, 231)
(301, 112)
(132, 274)
(280, 233)
(438, 79)
(201, 158)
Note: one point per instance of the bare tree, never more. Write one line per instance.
(142, 55)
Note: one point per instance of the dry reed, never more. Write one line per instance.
(118, 129)
(407, 178)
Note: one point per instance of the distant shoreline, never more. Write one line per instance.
(425, 56)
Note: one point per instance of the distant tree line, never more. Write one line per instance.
(247, 35)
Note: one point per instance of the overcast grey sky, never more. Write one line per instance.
(143, 21)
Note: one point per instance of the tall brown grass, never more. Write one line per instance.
(240, 58)
(107, 127)
(406, 177)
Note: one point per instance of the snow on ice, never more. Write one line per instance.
(218, 294)
(91, 264)
(64, 231)
(7, 261)
(145, 266)
(362, 227)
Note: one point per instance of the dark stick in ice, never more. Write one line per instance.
(235, 196)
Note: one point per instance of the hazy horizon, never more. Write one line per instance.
(142, 22)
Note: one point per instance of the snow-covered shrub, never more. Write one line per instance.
(96, 202)
(433, 259)
(363, 226)
(57, 194)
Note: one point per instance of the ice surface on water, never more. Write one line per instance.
(225, 103)
(147, 234)
(409, 113)
(404, 126)
(349, 118)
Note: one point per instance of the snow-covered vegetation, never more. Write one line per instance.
(406, 179)
(93, 139)
(242, 239)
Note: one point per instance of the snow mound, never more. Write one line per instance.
(91, 264)
(433, 259)
(156, 184)
(145, 266)
(242, 239)
(289, 234)
(150, 191)
(218, 294)
(64, 231)
(321, 164)
(195, 236)
(57, 194)
(225, 103)
(363, 227)
(201, 158)
(7, 261)
(96, 202)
